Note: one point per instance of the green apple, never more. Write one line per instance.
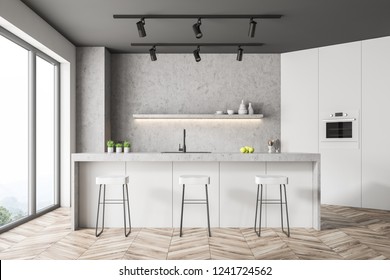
(251, 150)
(242, 149)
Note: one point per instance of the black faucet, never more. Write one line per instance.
(184, 149)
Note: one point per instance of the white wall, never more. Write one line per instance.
(17, 18)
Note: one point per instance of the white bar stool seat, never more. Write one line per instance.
(112, 180)
(194, 180)
(102, 181)
(270, 180)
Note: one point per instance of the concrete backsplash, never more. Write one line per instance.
(175, 83)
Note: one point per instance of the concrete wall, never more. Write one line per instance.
(175, 83)
(93, 99)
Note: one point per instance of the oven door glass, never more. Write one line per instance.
(338, 130)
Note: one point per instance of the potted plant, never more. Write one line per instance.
(126, 146)
(110, 146)
(118, 147)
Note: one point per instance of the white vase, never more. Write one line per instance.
(269, 149)
(126, 149)
(242, 109)
(250, 109)
(110, 149)
(118, 150)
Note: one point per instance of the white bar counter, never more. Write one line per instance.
(155, 195)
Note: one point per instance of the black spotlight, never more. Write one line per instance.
(152, 53)
(196, 54)
(252, 28)
(141, 28)
(240, 52)
(196, 28)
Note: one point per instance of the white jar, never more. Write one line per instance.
(250, 109)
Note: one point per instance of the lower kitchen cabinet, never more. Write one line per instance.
(238, 193)
(195, 215)
(155, 193)
(341, 177)
(151, 193)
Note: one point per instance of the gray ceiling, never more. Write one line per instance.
(305, 23)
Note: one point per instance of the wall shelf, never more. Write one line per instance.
(198, 116)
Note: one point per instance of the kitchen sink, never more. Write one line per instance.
(177, 152)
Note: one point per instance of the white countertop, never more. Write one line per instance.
(77, 157)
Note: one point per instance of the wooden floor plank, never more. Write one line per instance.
(193, 245)
(347, 233)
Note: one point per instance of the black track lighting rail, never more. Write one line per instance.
(197, 26)
(196, 52)
(264, 16)
(196, 44)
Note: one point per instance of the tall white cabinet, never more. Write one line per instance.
(340, 91)
(299, 106)
(375, 124)
(353, 77)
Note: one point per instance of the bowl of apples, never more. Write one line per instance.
(247, 150)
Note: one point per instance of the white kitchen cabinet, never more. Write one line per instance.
(299, 101)
(375, 125)
(340, 77)
(155, 193)
(89, 191)
(300, 194)
(195, 215)
(238, 193)
(351, 77)
(151, 193)
(340, 91)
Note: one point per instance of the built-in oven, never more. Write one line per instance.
(340, 127)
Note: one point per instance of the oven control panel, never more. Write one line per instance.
(338, 114)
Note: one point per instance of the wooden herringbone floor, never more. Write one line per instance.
(347, 233)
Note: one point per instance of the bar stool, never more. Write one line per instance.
(113, 180)
(194, 180)
(272, 180)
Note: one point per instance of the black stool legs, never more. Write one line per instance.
(208, 215)
(281, 210)
(113, 201)
(194, 201)
(182, 208)
(128, 210)
(271, 201)
(104, 207)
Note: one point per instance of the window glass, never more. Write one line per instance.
(13, 131)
